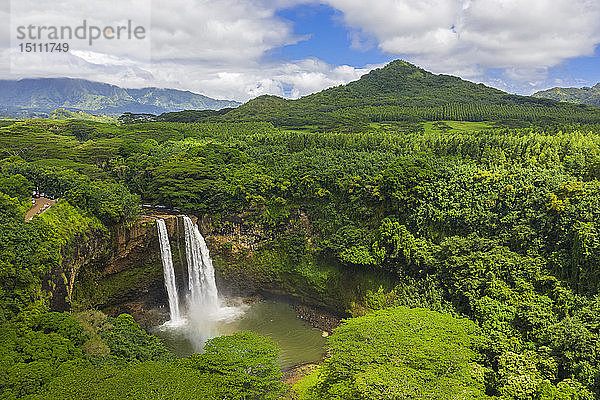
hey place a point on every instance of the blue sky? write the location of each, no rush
(329, 39)
(240, 49)
(586, 69)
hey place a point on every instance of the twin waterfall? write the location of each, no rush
(167, 261)
(201, 295)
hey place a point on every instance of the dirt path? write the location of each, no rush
(38, 207)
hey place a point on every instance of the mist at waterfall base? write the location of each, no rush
(205, 315)
(203, 308)
(298, 342)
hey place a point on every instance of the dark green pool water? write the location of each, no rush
(298, 341)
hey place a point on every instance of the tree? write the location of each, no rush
(402, 353)
(246, 364)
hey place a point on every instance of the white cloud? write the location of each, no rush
(81, 18)
(223, 31)
(218, 47)
(402, 27)
(240, 82)
(215, 48)
(290, 79)
(467, 37)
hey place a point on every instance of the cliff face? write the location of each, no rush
(125, 267)
(138, 244)
(236, 245)
(124, 273)
(280, 261)
(84, 249)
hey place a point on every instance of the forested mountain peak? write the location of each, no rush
(402, 91)
(405, 83)
(394, 77)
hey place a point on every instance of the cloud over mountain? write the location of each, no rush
(222, 48)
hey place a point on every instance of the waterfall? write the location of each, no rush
(203, 296)
(167, 261)
(204, 314)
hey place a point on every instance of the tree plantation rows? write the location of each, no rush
(477, 112)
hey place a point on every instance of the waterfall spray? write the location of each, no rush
(204, 314)
(167, 261)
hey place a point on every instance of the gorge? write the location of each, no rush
(125, 272)
(205, 316)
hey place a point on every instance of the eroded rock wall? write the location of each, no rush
(126, 266)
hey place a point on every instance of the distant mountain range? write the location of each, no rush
(584, 95)
(42, 96)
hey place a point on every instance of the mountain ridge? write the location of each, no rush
(584, 95)
(44, 95)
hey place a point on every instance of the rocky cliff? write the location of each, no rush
(281, 261)
(123, 272)
(128, 267)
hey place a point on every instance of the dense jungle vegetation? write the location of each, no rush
(487, 227)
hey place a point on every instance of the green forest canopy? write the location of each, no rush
(484, 216)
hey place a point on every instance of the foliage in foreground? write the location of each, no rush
(401, 353)
(91, 356)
